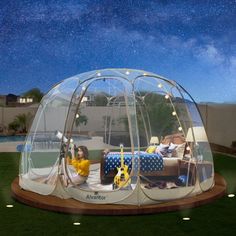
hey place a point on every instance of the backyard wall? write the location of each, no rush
(219, 120)
(7, 114)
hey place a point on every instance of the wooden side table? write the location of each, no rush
(183, 170)
(204, 170)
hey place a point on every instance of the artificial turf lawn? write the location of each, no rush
(217, 218)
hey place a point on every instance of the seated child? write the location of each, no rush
(81, 165)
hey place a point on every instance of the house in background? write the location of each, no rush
(12, 100)
(2, 100)
(24, 100)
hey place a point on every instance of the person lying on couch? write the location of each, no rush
(161, 149)
(153, 149)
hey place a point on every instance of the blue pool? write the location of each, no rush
(21, 138)
(18, 138)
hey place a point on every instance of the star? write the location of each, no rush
(43, 44)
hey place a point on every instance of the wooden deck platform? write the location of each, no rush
(72, 206)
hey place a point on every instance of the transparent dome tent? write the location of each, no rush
(131, 121)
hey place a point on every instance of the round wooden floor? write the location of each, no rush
(75, 207)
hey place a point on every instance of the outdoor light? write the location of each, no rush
(9, 205)
(77, 116)
(160, 85)
(98, 74)
(180, 128)
(188, 148)
(231, 195)
(186, 218)
(174, 113)
(144, 74)
(76, 223)
(127, 72)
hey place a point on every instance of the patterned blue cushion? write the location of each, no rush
(149, 162)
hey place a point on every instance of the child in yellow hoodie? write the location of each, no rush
(81, 165)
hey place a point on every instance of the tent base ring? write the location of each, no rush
(72, 206)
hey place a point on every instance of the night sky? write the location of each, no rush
(192, 42)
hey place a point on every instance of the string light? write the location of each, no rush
(127, 72)
(180, 128)
(77, 116)
(231, 195)
(188, 148)
(144, 74)
(9, 206)
(167, 96)
(98, 74)
(186, 218)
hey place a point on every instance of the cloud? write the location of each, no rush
(232, 65)
(210, 54)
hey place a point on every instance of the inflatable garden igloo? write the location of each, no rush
(145, 139)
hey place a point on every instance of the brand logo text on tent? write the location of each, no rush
(97, 197)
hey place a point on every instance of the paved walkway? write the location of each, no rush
(9, 146)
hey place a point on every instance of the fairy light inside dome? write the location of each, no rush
(99, 74)
(77, 116)
(180, 128)
(160, 85)
(186, 218)
(174, 113)
(167, 96)
(127, 72)
(231, 195)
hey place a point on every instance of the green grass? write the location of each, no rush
(217, 218)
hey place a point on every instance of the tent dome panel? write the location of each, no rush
(118, 136)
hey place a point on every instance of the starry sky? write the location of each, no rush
(191, 42)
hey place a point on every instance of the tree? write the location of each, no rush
(21, 122)
(156, 110)
(14, 125)
(34, 93)
(81, 119)
(100, 100)
(160, 114)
